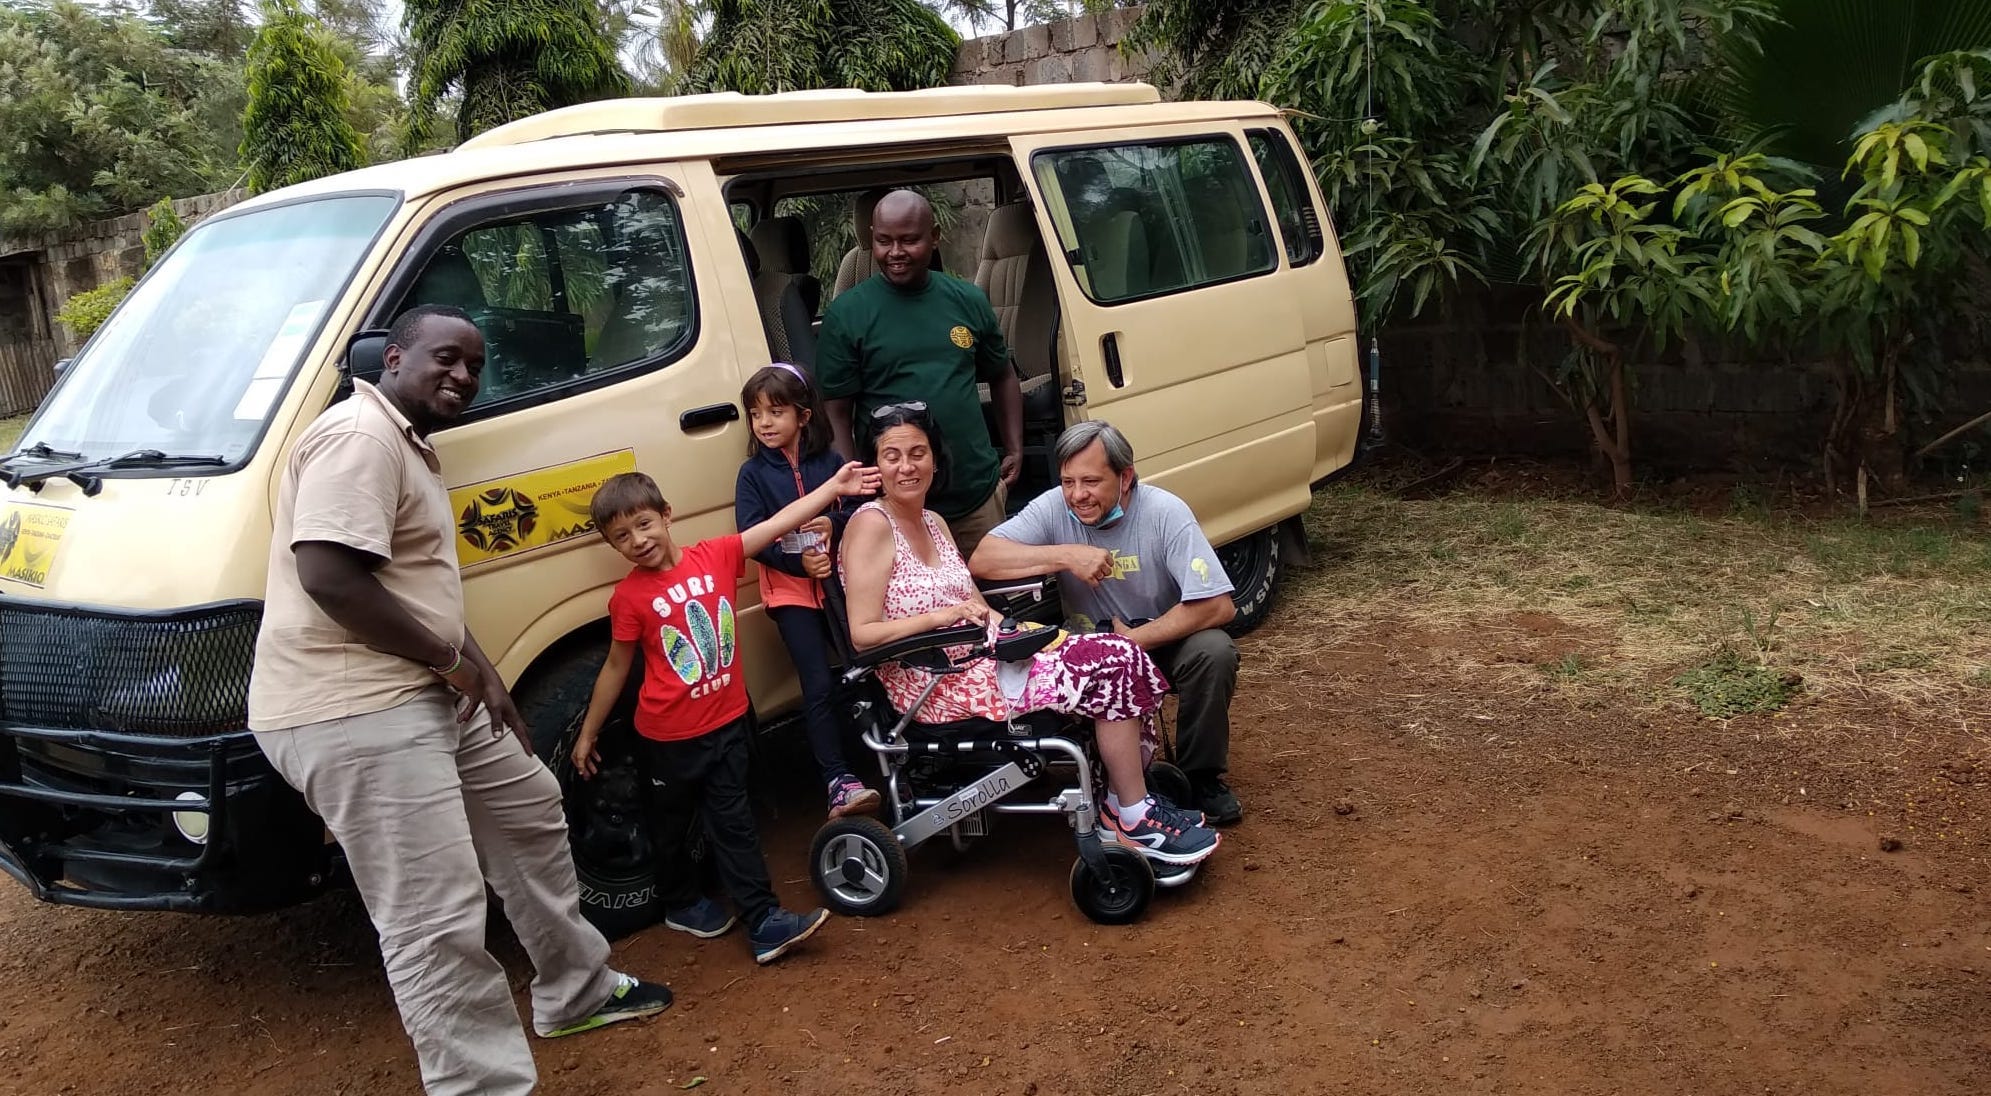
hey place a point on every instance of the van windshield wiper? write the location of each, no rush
(40, 450)
(139, 458)
(84, 473)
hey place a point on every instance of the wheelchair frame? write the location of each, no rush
(858, 863)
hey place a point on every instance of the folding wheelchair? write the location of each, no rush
(951, 777)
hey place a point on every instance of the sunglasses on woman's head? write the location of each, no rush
(910, 407)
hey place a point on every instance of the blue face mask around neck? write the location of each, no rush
(1116, 514)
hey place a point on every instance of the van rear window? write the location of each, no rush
(1144, 220)
(1286, 181)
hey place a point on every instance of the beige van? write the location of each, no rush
(1167, 266)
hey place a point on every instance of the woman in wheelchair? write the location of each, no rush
(903, 576)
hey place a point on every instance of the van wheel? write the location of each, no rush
(614, 851)
(1253, 565)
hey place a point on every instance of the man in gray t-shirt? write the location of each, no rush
(1131, 557)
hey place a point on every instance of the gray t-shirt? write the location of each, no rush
(1160, 556)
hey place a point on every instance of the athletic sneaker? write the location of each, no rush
(1195, 815)
(704, 919)
(1166, 834)
(781, 930)
(848, 795)
(633, 999)
(1213, 794)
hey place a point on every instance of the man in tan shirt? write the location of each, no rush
(371, 698)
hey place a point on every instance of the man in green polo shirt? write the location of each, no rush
(911, 334)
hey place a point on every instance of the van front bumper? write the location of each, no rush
(88, 818)
(127, 777)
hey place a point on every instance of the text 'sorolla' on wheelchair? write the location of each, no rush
(950, 777)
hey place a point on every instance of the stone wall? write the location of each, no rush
(1081, 50)
(1467, 380)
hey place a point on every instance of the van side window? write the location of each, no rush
(1286, 182)
(565, 295)
(1150, 219)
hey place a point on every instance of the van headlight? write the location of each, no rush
(193, 825)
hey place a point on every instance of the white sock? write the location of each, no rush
(1129, 816)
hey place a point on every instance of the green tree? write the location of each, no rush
(163, 228)
(763, 46)
(218, 28)
(296, 126)
(100, 115)
(504, 61)
(659, 41)
(1817, 72)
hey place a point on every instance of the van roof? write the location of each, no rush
(724, 124)
(730, 109)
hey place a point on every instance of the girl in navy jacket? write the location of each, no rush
(792, 457)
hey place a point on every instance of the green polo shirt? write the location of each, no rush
(882, 345)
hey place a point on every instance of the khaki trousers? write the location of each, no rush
(970, 528)
(427, 810)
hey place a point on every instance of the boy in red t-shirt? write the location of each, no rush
(692, 715)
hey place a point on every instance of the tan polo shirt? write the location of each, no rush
(360, 477)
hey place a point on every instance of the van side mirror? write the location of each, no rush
(62, 365)
(366, 356)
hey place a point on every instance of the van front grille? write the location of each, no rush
(183, 673)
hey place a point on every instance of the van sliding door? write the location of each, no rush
(1173, 316)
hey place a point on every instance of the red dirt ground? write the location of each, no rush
(1444, 883)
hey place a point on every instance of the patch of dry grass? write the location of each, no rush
(1878, 614)
(10, 431)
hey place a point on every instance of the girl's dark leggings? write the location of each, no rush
(806, 633)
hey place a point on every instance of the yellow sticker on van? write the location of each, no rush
(514, 515)
(30, 535)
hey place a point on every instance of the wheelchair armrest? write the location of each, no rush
(1032, 588)
(925, 641)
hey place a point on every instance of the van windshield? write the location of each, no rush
(194, 360)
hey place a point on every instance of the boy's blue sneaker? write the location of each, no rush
(781, 930)
(705, 919)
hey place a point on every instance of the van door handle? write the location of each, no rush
(700, 417)
(1109, 345)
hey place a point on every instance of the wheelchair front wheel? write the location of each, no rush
(1118, 895)
(858, 866)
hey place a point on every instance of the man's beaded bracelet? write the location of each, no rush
(456, 663)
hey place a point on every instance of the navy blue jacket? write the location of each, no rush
(767, 484)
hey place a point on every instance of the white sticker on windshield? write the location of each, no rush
(258, 398)
(289, 342)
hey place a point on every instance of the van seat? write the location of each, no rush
(1015, 272)
(783, 246)
(784, 315)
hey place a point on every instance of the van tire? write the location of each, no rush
(618, 898)
(1253, 564)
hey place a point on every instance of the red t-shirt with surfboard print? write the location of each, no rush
(684, 617)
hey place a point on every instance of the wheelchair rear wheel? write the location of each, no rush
(1120, 894)
(858, 866)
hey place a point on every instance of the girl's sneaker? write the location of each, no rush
(1165, 833)
(848, 795)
